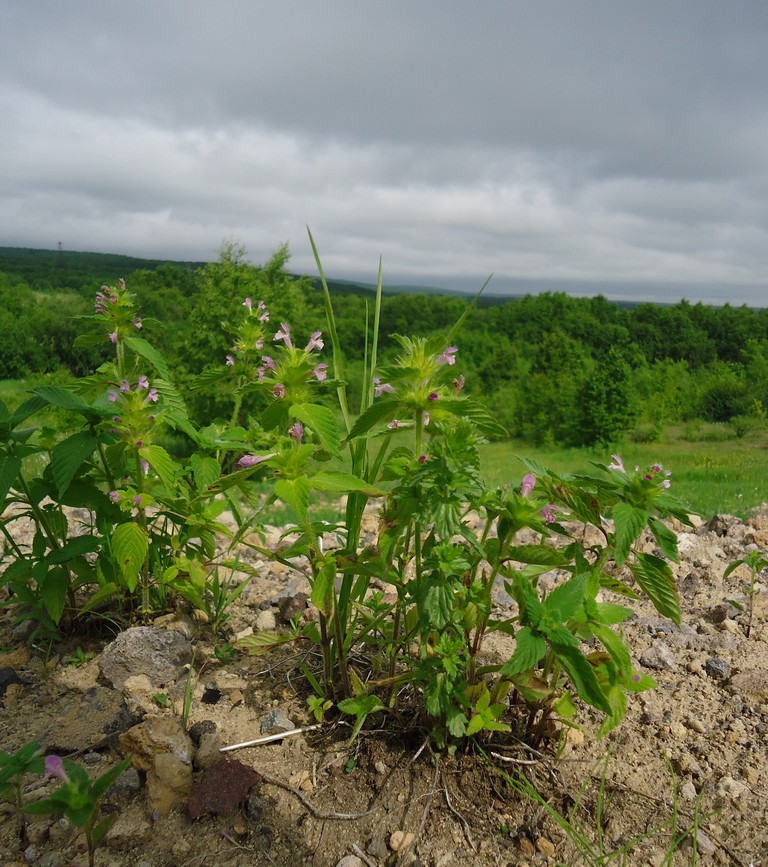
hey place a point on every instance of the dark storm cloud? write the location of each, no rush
(613, 143)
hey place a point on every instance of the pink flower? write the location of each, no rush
(253, 460)
(618, 465)
(320, 372)
(230, 361)
(425, 419)
(112, 395)
(394, 424)
(142, 383)
(137, 323)
(380, 387)
(549, 514)
(264, 316)
(137, 500)
(113, 337)
(144, 466)
(458, 383)
(269, 363)
(152, 395)
(284, 334)
(258, 344)
(279, 390)
(296, 432)
(449, 356)
(125, 385)
(114, 497)
(315, 342)
(434, 396)
(54, 767)
(528, 484)
(248, 304)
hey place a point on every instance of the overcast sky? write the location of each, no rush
(608, 146)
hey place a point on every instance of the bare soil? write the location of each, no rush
(691, 757)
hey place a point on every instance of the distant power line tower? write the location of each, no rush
(60, 257)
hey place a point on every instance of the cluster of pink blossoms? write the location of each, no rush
(116, 306)
(652, 474)
(135, 412)
(549, 512)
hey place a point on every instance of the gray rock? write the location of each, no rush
(753, 684)
(159, 654)
(276, 721)
(658, 657)
(350, 861)
(159, 734)
(208, 751)
(717, 668)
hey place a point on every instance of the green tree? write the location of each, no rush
(606, 401)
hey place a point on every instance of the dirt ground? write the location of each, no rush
(690, 761)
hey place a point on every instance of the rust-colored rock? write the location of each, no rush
(221, 788)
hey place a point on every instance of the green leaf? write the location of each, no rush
(68, 456)
(262, 643)
(145, 350)
(343, 483)
(323, 589)
(629, 523)
(578, 669)
(65, 399)
(383, 408)
(129, 550)
(53, 592)
(25, 410)
(477, 413)
(658, 583)
(529, 649)
(540, 555)
(205, 470)
(322, 421)
(162, 463)
(295, 494)
(665, 538)
(74, 547)
(564, 601)
(9, 471)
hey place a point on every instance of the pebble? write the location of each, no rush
(350, 861)
(732, 788)
(377, 848)
(658, 657)
(717, 668)
(400, 840)
(688, 791)
(276, 721)
(266, 621)
(546, 847)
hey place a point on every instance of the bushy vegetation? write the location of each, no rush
(557, 370)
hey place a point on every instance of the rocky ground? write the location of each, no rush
(693, 752)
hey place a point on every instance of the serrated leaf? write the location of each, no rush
(145, 350)
(477, 413)
(323, 590)
(162, 463)
(539, 555)
(529, 649)
(25, 410)
(564, 601)
(206, 471)
(322, 421)
(665, 538)
(129, 550)
(343, 483)
(63, 398)
(629, 522)
(295, 494)
(68, 456)
(74, 547)
(578, 669)
(658, 583)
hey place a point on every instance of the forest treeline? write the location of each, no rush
(555, 369)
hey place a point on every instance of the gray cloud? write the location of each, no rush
(557, 144)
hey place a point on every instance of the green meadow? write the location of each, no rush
(716, 474)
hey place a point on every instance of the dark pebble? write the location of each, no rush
(206, 726)
(717, 668)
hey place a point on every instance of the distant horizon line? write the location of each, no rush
(618, 291)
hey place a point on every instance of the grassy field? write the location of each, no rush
(709, 476)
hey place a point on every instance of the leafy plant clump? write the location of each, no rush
(402, 616)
